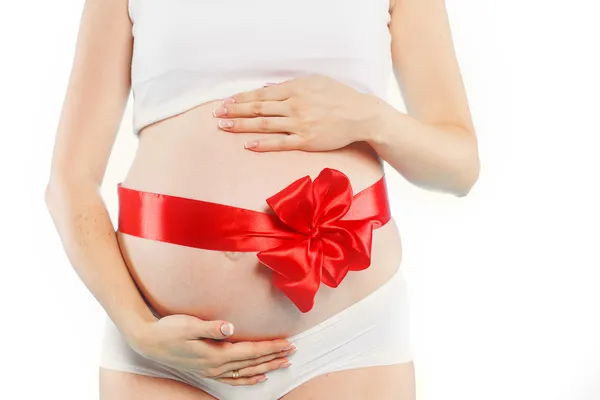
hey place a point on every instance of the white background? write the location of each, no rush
(504, 284)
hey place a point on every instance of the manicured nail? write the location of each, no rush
(292, 351)
(227, 329)
(262, 378)
(251, 145)
(286, 365)
(220, 111)
(228, 100)
(225, 123)
(289, 347)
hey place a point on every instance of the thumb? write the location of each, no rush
(213, 329)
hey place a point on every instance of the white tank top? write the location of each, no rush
(188, 52)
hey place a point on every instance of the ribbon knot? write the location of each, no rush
(319, 246)
(314, 233)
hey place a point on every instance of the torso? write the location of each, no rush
(189, 156)
(188, 53)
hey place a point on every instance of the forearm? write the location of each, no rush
(90, 242)
(441, 158)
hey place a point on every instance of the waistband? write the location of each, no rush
(385, 299)
(315, 231)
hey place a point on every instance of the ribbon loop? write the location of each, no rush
(328, 246)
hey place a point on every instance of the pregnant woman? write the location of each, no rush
(255, 255)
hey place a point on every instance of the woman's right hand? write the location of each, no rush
(188, 343)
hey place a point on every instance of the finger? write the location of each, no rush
(230, 352)
(280, 143)
(200, 329)
(243, 381)
(257, 125)
(270, 93)
(253, 109)
(264, 363)
(259, 369)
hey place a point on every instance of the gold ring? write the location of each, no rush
(236, 373)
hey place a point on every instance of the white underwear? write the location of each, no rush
(371, 332)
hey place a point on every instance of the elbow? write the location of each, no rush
(470, 168)
(52, 194)
(55, 188)
(49, 194)
(470, 176)
(61, 187)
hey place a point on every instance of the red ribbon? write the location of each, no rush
(317, 231)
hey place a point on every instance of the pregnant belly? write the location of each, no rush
(188, 156)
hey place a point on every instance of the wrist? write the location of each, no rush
(133, 326)
(378, 115)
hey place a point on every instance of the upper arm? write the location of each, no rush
(97, 92)
(425, 63)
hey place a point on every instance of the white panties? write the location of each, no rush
(371, 332)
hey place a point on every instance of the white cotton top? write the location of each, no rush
(189, 52)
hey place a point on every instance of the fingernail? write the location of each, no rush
(286, 365)
(227, 329)
(228, 100)
(250, 145)
(220, 111)
(269, 84)
(225, 123)
(292, 351)
(289, 347)
(262, 378)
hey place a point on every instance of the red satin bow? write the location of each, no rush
(319, 231)
(326, 247)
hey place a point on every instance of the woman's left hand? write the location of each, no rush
(312, 113)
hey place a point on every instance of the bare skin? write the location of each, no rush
(96, 96)
(184, 155)
(176, 154)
